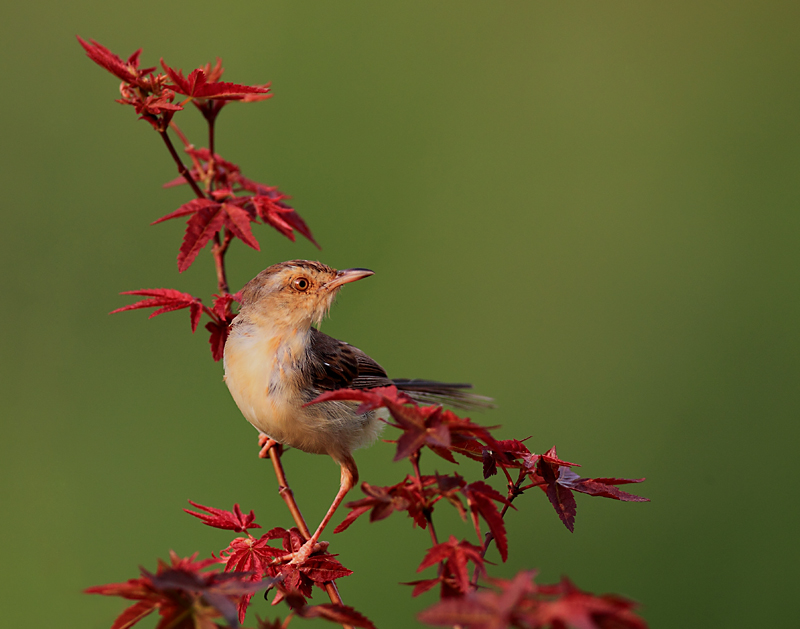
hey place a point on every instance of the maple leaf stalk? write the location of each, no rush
(426, 511)
(218, 251)
(182, 170)
(514, 490)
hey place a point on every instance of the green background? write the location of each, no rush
(588, 209)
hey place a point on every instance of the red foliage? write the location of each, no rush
(229, 520)
(204, 83)
(558, 482)
(257, 557)
(166, 300)
(522, 603)
(453, 557)
(185, 592)
(439, 429)
(335, 613)
(208, 218)
(184, 595)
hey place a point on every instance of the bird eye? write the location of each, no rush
(301, 283)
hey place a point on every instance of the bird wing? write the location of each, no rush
(335, 364)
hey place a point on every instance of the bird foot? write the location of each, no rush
(266, 443)
(306, 550)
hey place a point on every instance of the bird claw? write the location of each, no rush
(266, 443)
(306, 550)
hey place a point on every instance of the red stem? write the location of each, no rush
(514, 490)
(218, 251)
(181, 167)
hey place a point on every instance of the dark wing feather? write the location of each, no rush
(335, 365)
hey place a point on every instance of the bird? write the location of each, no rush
(276, 361)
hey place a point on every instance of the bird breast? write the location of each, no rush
(264, 373)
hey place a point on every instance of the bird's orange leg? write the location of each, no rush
(349, 480)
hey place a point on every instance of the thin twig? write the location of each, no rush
(218, 252)
(181, 167)
(513, 491)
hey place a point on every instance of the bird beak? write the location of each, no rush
(346, 276)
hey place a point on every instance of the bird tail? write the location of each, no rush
(432, 392)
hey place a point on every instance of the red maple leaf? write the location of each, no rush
(184, 595)
(340, 614)
(203, 83)
(440, 430)
(233, 520)
(558, 482)
(408, 495)
(564, 605)
(522, 603)
(257, 557)
(204, 224)
(127, 71)
(219, 329)
(166, 300)
(157, 109)
(454, 556)
(486, 609)
(505, 453)
(146, 92)
(370, 399)
(604, 487)
(481, 498)
(271, 208)
(208, 217)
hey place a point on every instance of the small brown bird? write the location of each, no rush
(276, 361)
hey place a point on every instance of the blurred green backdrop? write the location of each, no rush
(588, 209)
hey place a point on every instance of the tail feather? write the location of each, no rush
(452, 394)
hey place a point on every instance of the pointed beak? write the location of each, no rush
(346, 276)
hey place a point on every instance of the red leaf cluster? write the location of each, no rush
(204, 83)
(453, 557)
(168, 300)
(224, 204)
(152, 95)
(558, 482)
(418, 496)
(185, 596)
(340, 614)
(229, 520)
(230, 208)
(441, 430)
(522, 603)
(257, 558)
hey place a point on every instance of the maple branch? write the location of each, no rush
(288, 497)
(211, 120)
(514, 490)
(286, 492)
(184, 172)
(426, 511)
(218, 251)
(181, 135)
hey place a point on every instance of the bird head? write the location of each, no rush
(296, 293)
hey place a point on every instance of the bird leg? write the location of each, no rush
(348, 481)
